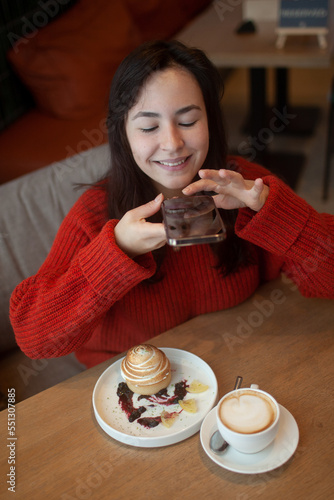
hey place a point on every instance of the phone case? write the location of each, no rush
(192, 220)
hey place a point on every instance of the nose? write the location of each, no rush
(171, 139)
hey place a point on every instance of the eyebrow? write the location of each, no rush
(151, 114)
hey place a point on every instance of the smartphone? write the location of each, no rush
(192, 220)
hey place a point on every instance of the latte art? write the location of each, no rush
(247, 412)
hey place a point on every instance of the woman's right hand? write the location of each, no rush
(134, 235)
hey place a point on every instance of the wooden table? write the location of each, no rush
(277, 338)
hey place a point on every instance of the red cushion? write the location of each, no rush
(36, 140)
(68, 65)
(161, 18)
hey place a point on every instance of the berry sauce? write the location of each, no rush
(125, 400)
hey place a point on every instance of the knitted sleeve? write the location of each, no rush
(288, 227)
(55, 312)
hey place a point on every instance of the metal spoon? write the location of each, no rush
(217, 443)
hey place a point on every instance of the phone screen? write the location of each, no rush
(192, 220)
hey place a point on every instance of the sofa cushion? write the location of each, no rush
(68, 65)
(31, 211)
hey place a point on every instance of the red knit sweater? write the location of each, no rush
(89, 297)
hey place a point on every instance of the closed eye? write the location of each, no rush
(188, 124)
(147, 130)
(152, 129)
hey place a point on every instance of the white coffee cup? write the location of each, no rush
(248, 419)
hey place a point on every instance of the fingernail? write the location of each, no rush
(158, 198)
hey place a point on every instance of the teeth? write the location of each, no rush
(169, 164)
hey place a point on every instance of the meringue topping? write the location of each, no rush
(145, 365)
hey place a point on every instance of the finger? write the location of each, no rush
(202, 185)
(214, 175)
(155, 230)
(230, 177)
(209, 180)
(218, 175)
(261, 192)
(222, 177)
(153, 235)
(258, 185)
(147, 210)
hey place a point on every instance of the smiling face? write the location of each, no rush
(167, 130)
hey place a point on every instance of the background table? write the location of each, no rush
(286, 345)
(214, 31)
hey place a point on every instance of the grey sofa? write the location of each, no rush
(32, 209)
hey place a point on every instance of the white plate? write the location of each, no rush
(112, 419)
(275, 455)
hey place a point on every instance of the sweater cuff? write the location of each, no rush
(109, 270)
(278, 224)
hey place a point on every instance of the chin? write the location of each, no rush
(180, 184)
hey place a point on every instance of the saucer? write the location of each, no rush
(275, 455)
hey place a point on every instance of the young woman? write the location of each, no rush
(110, 281)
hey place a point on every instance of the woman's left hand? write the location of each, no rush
(233, 191)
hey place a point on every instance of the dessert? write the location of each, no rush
(146, 369)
